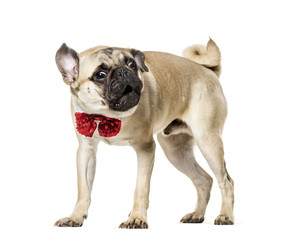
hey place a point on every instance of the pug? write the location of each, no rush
(124, 96)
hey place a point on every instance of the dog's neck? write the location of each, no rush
(80, 109)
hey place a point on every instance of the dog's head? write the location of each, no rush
(106, 80)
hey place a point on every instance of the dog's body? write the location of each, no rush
(153, 93)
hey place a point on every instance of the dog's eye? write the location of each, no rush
(131, 64)
(99, 76)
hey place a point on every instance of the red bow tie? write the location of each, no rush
(86, 125)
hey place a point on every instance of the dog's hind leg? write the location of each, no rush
(211, 146)
(206, 123)
(179, 150)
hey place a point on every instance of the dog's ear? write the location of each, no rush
(68, 63)
(140, 59)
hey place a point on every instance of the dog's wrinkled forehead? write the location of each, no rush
(91, 60)
(110, 57)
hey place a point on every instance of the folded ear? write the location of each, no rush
(68, 63)
(140, 59)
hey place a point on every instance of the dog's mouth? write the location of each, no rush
(123, 89)
(130, 98)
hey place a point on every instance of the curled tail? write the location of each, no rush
(208, 56)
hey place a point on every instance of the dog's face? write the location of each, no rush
(106, 80)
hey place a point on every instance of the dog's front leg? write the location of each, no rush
(86, 165)
(138, 216)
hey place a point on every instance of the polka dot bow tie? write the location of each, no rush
(86, 125)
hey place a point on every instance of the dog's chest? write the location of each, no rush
(118, 141)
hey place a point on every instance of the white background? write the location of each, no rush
(38, 144)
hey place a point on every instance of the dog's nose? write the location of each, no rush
(121, 73)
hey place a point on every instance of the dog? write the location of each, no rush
(130, 95)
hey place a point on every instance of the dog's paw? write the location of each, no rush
(192, 218)
(223, 220)
(68, 222)
(134, 224)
